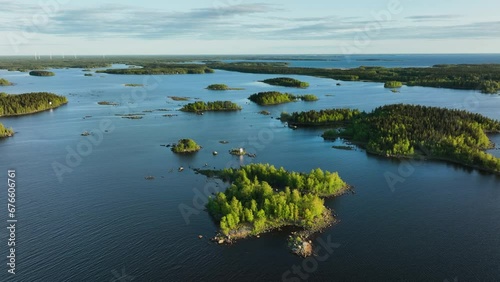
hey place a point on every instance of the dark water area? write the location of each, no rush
(103, 221)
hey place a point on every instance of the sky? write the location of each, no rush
(201, 27)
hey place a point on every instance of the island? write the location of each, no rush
(286, 82)
(162, 69)
(221, 87)
(313, 118)
(393, 84)
(41, 73)
(107, 103)
(481, 77)
(262, 198)
(200, 106)
(177, 98)
(5, 132)
(5, 82)
(275, 98)
(134, 85)
(88, 74)
(186, 146)
(29, 103)
(409, 131)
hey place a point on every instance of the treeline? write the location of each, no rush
(275, 97)
(41, 73)
(287, 82)
(483, 77)
(200, 106)
(252, 201)
(161, 69)
(408, 130)
(5, 82)
(319, 118)
(11, 105)
(5, 132)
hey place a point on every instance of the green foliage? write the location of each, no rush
(41, 73)
(5, 82)
(308, 98)
(272, 98)
(287, 82)
(319, 118)
(253, 199)
(407, 130)
(5, 132)
(484, 77)
(200, 106)
(220, 87)
(11, 105)
(393, 84)
(186, 146)
(162, 68)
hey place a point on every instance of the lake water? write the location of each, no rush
(102, 221)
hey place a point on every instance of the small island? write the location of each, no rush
(88, 74)
(134, 85)
(5, 82)
(221, 87)
(29, 103)
(409, 131)
(393, 84)
(274, 98)
(186, 146)
(262, 198)
(107, 103)
(177, 98)
(41, 73)
(286, 82)
(199, 106)
(6, 132)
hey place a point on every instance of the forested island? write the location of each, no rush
(29, 103)
(286, 82)
(41, 73)
(408, 131)
(162, 69)
(186, 146)
(393, 84)
(5, 132)
(484, 77)
(327, 117)
(262, 197)
(5, 82)
(221, 87)
(274, 98)
(200, 106)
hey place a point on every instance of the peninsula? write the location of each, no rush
(29, 103)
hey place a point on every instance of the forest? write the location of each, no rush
(200, 106)
(275, 97)
(393, 84)
(185, 146)
(484, 77)
(264, 197)
(161, 69)
(319, 118)
(287, 82)
(5, 82)
(41, 73)
(408, 131)
(5, 132)
(12, 105)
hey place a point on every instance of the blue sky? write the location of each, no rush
(107, 27)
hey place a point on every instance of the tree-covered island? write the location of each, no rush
(5, 132)
(221, 87)
(408, 131)
(262, 198)
(185, 146)
(162, 69)
(29, 103)
(41, 73)
(5, 82)
(274, 98)
(200, 106)
(286, 82)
